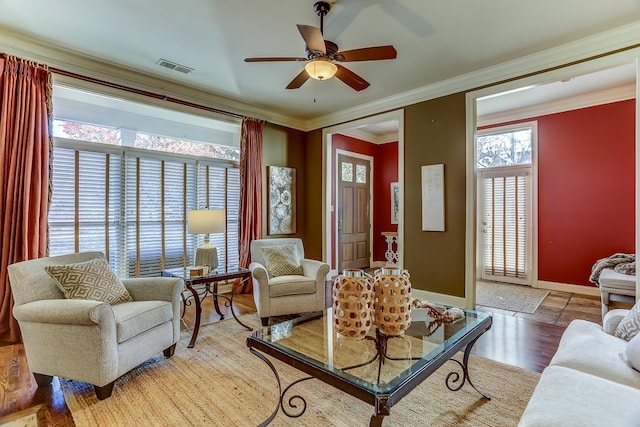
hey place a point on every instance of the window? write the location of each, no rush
(505, 147)
(347, 172)
(361, 174)
(126, 193)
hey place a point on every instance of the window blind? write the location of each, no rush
(504, 224)
(132, 206)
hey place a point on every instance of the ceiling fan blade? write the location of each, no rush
(375, 53)
(274, 58)
(313, 38)
(351, 79)
(299, 80)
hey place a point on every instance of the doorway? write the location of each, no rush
(506, 172)
(353, 213)
(379, 133)
(550, 218)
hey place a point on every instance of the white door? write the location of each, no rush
(505, 224)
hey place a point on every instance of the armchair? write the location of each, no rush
(88, 340)
(290, 293)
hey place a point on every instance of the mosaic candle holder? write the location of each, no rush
(392, 300)
(352, 303)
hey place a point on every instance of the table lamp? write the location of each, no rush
(205, 221)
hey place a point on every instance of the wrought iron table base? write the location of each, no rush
(196, 296)
(454, 382)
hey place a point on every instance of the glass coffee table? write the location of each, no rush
(379, 369)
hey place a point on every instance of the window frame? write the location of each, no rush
(509, 128)
(532, 202)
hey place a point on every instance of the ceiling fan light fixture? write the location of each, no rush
(321, 70)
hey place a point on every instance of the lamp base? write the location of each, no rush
(206, 255)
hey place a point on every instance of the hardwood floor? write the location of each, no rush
(519, 339)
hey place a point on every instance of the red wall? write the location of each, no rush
(385, 171)
(586, 189)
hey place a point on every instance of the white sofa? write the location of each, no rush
(588, 382)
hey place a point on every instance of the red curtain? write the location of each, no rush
(25, 149)
(250, 189)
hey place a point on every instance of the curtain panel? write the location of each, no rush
(250, 189)
(25, 150)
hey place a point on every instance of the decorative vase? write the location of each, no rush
(352, 303)
(392, 300)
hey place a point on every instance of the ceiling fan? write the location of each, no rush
(323, 57)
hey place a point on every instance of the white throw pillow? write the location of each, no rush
(633, 352)
(629, 327)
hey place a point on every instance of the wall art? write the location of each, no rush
(282, 200)
(433, 198)
(395, 203)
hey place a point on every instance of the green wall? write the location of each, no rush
(434, 132)
(285, 147)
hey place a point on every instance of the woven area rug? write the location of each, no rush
(523, 299)
(220, 383)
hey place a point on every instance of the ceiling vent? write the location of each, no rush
(173, 66)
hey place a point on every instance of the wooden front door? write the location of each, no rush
(353, 216)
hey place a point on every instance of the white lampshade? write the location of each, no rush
(320, 69)
(204, 221)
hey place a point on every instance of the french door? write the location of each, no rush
(505, 224)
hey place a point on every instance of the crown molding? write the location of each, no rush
(627, 36)
(624, 37)
(622, 93)
(72, 61)
(368, 137)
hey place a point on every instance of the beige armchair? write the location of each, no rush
(88, 340)
(277, 295)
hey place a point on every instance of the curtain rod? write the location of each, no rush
(144, 92)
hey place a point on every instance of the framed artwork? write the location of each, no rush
(395, 203)
(433, 198)
(282, 200)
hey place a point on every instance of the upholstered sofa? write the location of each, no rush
(589, 382)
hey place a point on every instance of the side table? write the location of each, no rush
(213, 277)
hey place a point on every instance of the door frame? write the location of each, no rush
(371, 195)
(328, 250)
(558, 74)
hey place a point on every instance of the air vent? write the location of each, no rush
(174, 66)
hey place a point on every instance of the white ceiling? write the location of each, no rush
(436, 40)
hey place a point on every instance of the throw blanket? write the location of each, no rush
(622, 263)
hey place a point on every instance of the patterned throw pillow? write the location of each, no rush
(629, 327)
(282, 260)
(91, 280)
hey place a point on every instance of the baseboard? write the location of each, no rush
(565, 287)
(225, 288)
(438, 298)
